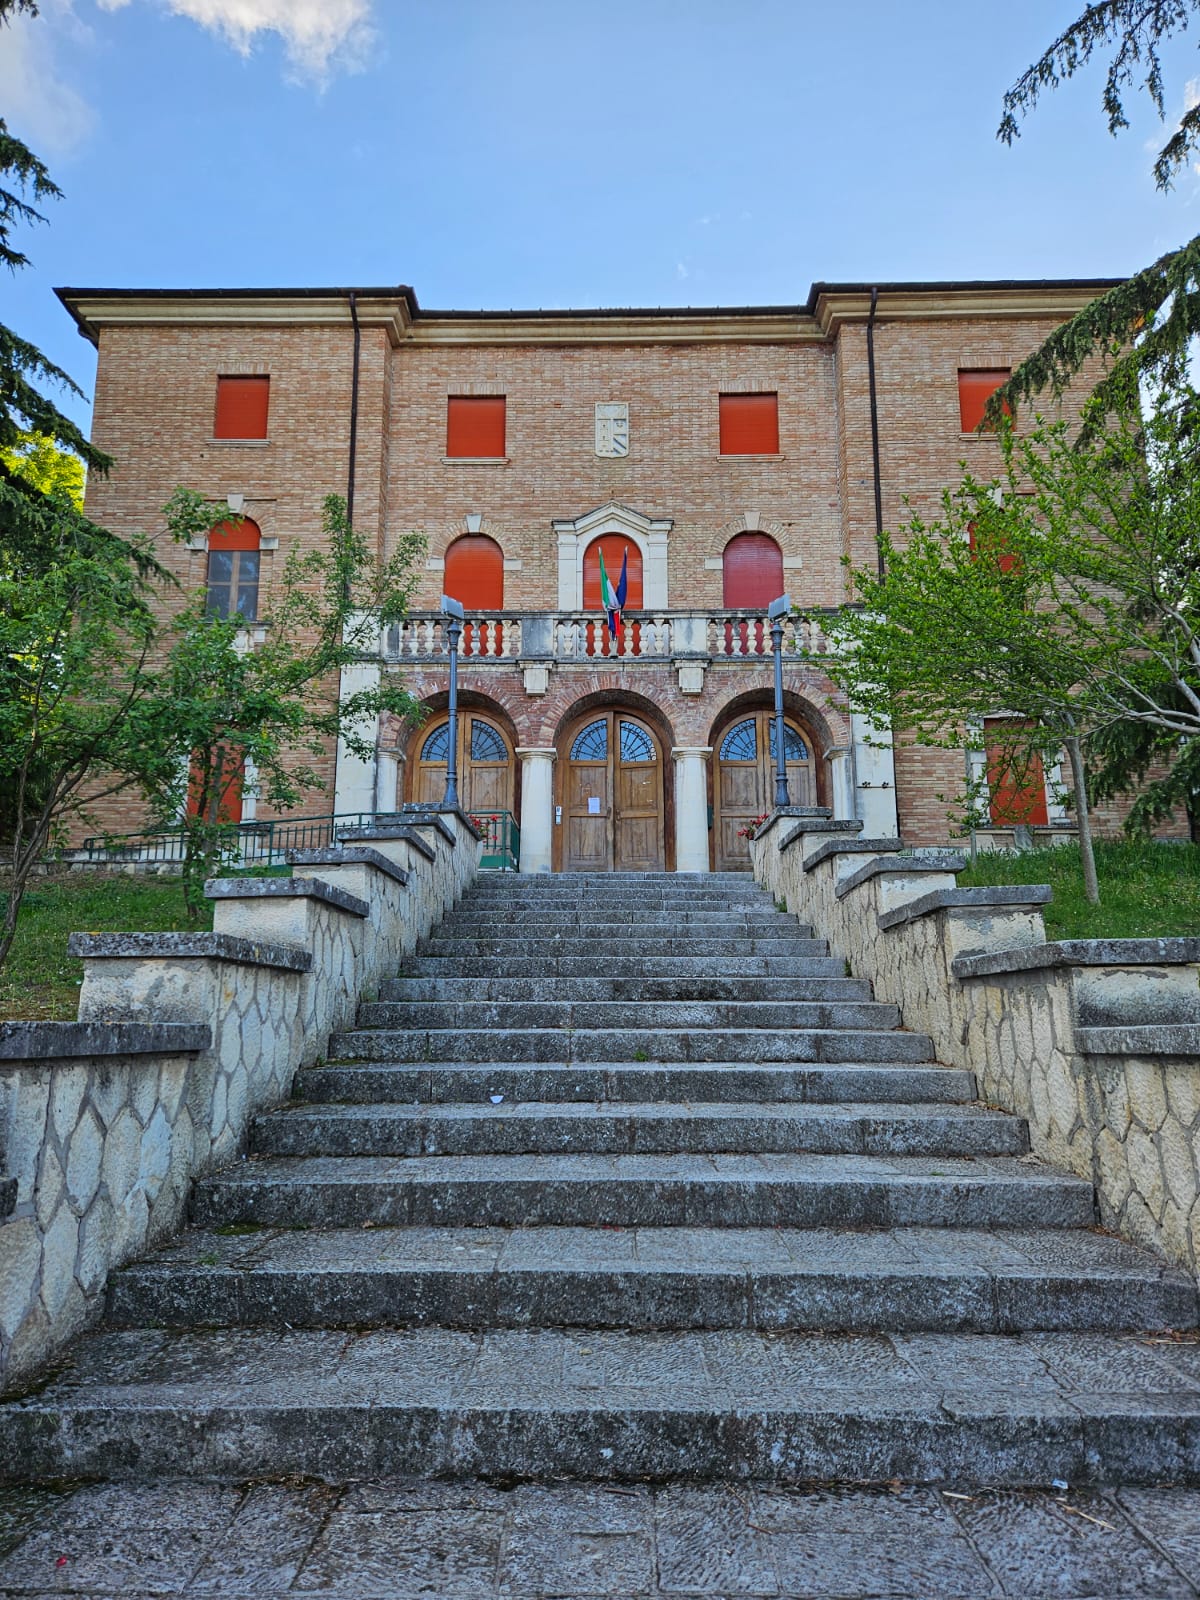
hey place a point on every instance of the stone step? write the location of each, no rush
(588, 1128)
(629, 1044)
(508, 987)
(974, 1409)
(717, 1191)
(613, 919)
(369, 1082)
(506, 1015)
(550, 963)
(836, 1280)
(517, 947)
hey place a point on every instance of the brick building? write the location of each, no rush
(719, 457)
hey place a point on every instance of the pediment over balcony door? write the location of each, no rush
(650, 534)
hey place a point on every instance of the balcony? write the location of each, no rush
(509, 638)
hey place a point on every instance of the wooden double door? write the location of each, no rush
(485, 764)
(612, 793)
(744, 782)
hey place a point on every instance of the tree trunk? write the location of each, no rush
(1087, 855)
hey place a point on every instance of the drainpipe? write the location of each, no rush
(874, 427)
(878, 483)
(354, 409)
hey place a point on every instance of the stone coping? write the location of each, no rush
(897, 869)
(1080, 953)
(65, 1041)
(850, 847)
(1019, 895)
(807, 825)
(286, 889)
(785, 813)
(1149, 1039)
(355, 855)
(432, 819)
(389, 831)
(188, 947)
(464, 817)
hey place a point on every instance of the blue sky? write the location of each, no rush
(554, 153)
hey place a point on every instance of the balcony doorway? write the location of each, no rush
(612, 795)
(744, 781)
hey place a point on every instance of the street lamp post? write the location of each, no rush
(776, 611)
(453, 612)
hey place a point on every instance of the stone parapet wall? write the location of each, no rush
(182, 1039)
(1095, 1042)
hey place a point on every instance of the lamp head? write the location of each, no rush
(452, 608)
(780, 607)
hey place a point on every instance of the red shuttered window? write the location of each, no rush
(233, 569)
(976, 386)
(475, 573)
(1018, 793)
(752, 568)
(242, 408)
(749, 424)
(475, 425)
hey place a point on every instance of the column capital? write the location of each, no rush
(546, 751)
(691, 752)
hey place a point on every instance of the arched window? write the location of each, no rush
(475, 573)
(617, 548)
(233, 570)
(752, 572)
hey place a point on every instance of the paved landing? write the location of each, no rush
(400, 1539)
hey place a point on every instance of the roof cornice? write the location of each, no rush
(829, 307)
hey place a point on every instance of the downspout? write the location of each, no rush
(877, 478)
(354, 410)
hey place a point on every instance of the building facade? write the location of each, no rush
(713, 459)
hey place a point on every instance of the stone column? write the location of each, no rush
(842, 798)
(537, 807)
(691, 808)
(387, 778)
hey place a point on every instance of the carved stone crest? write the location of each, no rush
(612, 428)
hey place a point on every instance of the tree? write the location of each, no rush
(1147, 323)
(216, 709)
(1065, 596)
(46, 467)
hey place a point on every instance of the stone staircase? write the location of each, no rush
(625, 1178)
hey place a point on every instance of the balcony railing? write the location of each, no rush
(509, 636)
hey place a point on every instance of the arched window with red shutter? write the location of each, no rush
(233, 569)
(751, 572)
(475, 578)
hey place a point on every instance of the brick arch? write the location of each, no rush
(807, 699)
(746, 522)
(576, 693)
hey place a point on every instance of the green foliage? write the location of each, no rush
(1144, 325)
(39, 978)
(1151, 890)
(46, 467)
(216, 707)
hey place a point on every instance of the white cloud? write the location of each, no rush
(681, 270)
(318, 35)
(39, 106)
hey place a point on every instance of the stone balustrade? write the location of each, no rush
(1095, 1041)
(182, 1039)
(507, 637)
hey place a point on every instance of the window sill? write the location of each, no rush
(475, 461)
(764, 455)
(243, 444)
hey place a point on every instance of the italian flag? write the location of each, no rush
(613, 600)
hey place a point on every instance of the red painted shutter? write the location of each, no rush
(475, 425)
(242, 408)
(231, 776)
(1017, 798)
(749, 425)
(243, 535)
(752, 569)
(475, 573)
(614, 546)
(976, 386)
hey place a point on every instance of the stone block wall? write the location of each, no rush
(1095, 1042)
(181, 1039)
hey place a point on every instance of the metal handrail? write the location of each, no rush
(257, 843)
(501, 840)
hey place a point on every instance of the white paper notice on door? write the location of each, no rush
(593, 805)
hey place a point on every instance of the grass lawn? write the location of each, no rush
(1146, 890)
(40, 979)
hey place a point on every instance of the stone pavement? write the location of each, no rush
(396, 1539)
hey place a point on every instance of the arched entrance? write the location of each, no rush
(485, 763)
(744, 780)
(612, 795)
